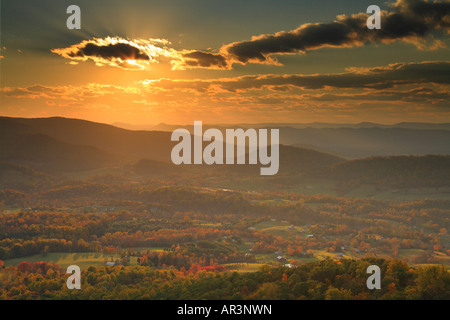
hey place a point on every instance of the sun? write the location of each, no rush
(134, 64)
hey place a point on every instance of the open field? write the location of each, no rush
(243, 268)
(83, 260)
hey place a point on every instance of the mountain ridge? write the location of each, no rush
(64, 145)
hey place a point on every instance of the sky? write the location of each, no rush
(226, 61)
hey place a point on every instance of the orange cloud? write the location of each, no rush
(355, 78)
(385, 92)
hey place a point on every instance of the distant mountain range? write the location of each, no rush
(317, 125)
(354, 141)
(60, 144)
(33, 148)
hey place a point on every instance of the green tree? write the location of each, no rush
(268, 291)
(433, 282)
(338, 294)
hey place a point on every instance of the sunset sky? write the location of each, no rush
(226, 61)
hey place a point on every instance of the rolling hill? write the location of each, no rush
(129, 145)
(400, 171)
(46, 153)
(17, 176)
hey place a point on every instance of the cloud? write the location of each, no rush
(418, 91)
(201, 59)
(417, 95)
(415, 82)
(418, 86)
(118, 52)
(355, 78)
(138, 54)
(91, 90)
(413, 21)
